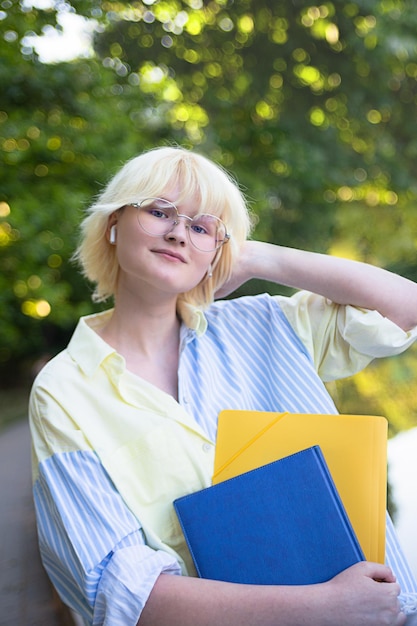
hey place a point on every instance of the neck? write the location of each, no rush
(148, 338)
(142, 327)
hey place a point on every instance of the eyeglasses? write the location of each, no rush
(158, 217)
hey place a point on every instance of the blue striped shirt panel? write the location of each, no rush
(91, 544)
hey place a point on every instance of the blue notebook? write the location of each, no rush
(282, 523)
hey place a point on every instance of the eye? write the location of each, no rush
(199, 228)
(205, 225)
(158, 213)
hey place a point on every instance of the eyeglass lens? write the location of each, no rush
(158, 217)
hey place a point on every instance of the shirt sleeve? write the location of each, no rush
(342, 340)
(91, 544)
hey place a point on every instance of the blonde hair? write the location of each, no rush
(149, 175)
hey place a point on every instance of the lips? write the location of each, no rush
(170, 253)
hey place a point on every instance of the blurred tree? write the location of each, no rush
(63, 132)
(310, 106)
(305, 103)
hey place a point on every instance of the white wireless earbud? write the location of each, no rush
(112, 236)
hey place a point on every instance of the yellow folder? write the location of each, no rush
(354, 446)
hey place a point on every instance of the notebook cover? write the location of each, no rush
(282, 523)
(354, 446)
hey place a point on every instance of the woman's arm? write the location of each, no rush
(341, 280)
(353, 597)
(91, 544)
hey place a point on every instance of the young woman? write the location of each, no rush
(124, 420)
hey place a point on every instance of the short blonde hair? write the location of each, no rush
(150, 175)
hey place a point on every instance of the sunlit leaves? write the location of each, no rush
(194, 24)
(278, 32)
(311, 105)
(191, 117)
(245, 24)
(4, 209)
(386, 388)
(318, 19)
(38, 309)
(309, 75)
(318, 117)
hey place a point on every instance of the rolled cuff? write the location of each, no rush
(372, 334)
(342, 339)
(127, 582)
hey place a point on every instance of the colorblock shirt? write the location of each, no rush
(111, 451)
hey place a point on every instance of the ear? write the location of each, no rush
(111, 230)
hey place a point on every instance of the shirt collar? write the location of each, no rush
(193, 318)
(86, 347)
(90, 359)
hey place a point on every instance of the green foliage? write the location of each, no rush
(312, 107)
(298, 100)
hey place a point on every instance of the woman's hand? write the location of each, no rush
(366, 594)
(245, 267)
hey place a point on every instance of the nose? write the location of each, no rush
(178, 231)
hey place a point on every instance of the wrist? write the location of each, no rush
(264, 261)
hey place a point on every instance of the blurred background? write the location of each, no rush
(312, 107)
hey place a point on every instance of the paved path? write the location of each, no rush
(26, 596)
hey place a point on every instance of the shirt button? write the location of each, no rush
(206, 447)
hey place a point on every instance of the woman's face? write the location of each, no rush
(168, 264)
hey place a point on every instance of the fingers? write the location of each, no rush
(378, 571)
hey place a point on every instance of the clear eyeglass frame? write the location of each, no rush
(158, 217)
